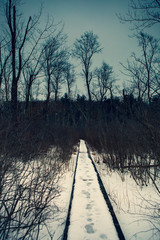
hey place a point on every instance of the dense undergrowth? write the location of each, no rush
(129, 139)
(36, 145)
(33, 154)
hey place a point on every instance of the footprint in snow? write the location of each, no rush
(89, 228)
(89, 183)
(87, 194)
(89, 206)
(89, 219)
(103, 236)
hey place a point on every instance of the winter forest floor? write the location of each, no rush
(136, 207)
(35, 197)
(90, 217)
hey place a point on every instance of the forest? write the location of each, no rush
(41, 113)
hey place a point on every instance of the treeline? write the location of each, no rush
(35, 63)
(119, 126)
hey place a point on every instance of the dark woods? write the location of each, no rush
(122, 127)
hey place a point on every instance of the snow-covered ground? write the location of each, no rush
(136, 208)
(54, 227)
(90, 217)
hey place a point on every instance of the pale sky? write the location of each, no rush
(98, 16)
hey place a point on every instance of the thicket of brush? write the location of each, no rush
(35, 146)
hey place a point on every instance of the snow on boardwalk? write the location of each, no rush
(90, 218)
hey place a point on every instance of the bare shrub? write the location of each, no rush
(128, 144)
(27, 193)
(33, 154)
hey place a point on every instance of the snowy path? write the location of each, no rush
(90, 218)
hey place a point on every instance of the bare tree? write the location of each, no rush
(144, 69)
(7, 74)
(4, 58)
(136, 72)
(53, 64)
(17, 45)
(84, 50)
(30, 74)
(23, 40)
(58, 74)
(103, 81)
(143, 14)
(69, 76)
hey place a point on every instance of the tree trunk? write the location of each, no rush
(88, 86)
(56, 95)
(48, 97)
(27, 95)
(14, 79)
